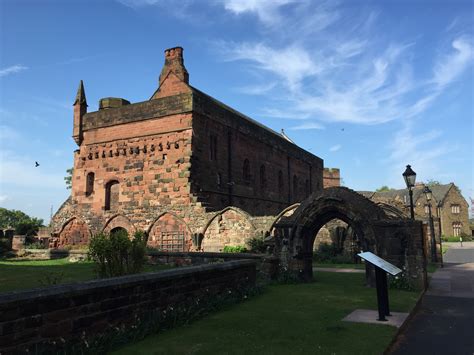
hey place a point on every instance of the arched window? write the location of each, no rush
(90, 183)
(280, 181)
(112, 191)
(457, 229)
(295, 187)
(263, 178)
(246, 171)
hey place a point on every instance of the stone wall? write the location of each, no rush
(80, 311)
(331, 177)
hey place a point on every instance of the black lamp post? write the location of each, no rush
(410, 177)
(434, 256)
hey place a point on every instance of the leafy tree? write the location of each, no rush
(383, 188)
(432, 183)
(20, 221)
(68, 178)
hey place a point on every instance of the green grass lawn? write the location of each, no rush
(340, 266)
(286, 319)
(18, 275)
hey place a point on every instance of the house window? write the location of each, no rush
(457, 228)
(280, 181)
(246, 171)
(90, 184)
(427, 209)
(295, 186)
(219, 180)
(112, 191)
(455, 209)
(213, 147)
(263, 178)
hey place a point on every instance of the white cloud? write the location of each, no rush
(450, 66)
(12, 70)
(257, 89)
(308, 125)
(4, 198)
(292, 63)
(138, 3)
(266, 10)
(335, 148)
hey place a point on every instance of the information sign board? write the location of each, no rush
(379, 262)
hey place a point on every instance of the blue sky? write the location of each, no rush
(369, 86)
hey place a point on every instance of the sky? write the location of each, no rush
(368, 86)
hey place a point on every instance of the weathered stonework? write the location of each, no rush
(173, 165)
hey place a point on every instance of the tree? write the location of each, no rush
(20, 221)
(68, 178)
(432, 183)
(383, 188)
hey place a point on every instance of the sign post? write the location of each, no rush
(382, 267)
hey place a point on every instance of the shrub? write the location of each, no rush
(116, 254)
(36, 245)
(329, 254)
(465, 238)
(256, 245)
(235, 249)
(400, 282)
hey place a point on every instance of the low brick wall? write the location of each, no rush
(267, 265)
(69, 312)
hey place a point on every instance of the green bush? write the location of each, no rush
(329, 254)
(465, 238)
(235, 249)
(116, 254)
(36, 245)
(256, 245)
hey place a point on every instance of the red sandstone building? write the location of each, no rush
(178, 165)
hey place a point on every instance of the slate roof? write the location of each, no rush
(439, 193)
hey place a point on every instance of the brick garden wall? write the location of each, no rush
(30, 318)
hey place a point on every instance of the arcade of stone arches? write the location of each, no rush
(290, 236)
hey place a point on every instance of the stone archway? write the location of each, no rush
(169, 233)
(229, 227)
(119, 221)
(73, 233)
(377, 232)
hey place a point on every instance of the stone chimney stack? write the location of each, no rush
(174, 63)
(80, 109)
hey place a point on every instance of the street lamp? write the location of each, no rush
(427, 192)
(410, 176)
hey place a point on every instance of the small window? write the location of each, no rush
(112, 191)
(427, 209)
(263, 178)
(219, 180)
(455, 209)
(246, 171)
(213, 147)
(90, 183)
(457, 228)
(280, 181)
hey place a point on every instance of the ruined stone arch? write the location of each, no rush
(331, 203)
(287, 212)
(169, 232)
(73, 232)
(119, 221)
(228, 227)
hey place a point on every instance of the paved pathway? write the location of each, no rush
(458, 254)
(444, 324)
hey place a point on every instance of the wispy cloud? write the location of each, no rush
(308, 125)
(410, 146)
(266, 10)
(335, 148)
(138, 3)
(4, 198)
(12, 70)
